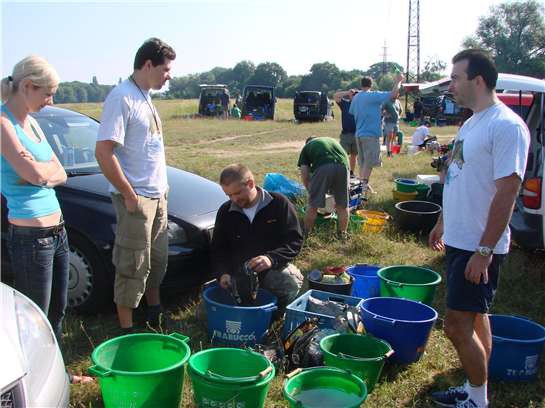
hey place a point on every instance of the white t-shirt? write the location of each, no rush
(250, 212)
(492, 144)
(420, 134)
(133, 123)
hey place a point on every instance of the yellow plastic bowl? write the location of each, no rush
(401, 196)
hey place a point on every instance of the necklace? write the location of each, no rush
(471, 125)
(148, 103)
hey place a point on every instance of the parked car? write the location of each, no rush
(311, 106)
(258, 102)
(33, 372)
(90, 218)
(211, 96)
(526, 96)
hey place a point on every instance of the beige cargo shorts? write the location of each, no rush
(140, 253)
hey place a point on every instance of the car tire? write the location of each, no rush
(90, 286)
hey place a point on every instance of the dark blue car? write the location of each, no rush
(90, 218)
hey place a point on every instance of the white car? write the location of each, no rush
(32, 373)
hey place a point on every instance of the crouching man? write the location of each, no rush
(259, 228)
(323, 164)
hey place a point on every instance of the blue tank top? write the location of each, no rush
(27, 200)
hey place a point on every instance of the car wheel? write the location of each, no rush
(90, 286)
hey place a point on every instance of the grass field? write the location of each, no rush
(205, 146)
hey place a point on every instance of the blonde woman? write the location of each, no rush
(37, 243)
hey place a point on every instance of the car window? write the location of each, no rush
(72, 138)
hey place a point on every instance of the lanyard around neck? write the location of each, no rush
(147, 102)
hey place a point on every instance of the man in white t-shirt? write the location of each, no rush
(420, 135)
(483, 178)
(131, 154)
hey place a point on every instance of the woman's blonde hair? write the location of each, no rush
(37, 69)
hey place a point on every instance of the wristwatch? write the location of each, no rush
(484, 250)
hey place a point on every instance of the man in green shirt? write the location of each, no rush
(324, 169)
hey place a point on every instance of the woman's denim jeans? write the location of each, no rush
(40, 259)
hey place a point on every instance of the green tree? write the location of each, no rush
(242, 72)
(324, 76)
(434, 69)
(514, 33)
(268, 73)
(379, 69)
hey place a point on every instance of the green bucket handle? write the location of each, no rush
(239, 380)
(179, 336)
(98, 371)
(349, 357)
(393, 283)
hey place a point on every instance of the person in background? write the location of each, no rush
(366, 108)
(348, 131)
(224, 97)
(37, 241)
(131, 154)
(323, 164)
(418, 108)
(260, 228)
(392, 112)
(421, 135)
(485, 170)
(235, 111)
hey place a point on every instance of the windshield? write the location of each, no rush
(72, 137)
(307, 97)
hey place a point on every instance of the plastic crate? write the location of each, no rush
(297, 313)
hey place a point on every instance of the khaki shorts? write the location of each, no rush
(284, 284)
(330, 178)
(348, 142)
(369, 152)
(140, 254)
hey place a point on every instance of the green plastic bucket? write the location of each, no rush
(400, 138)
(405, 185)
(324, 387)
(230, 377)
(409, 282)
(356, 223)
(362, 355)
(141, 370)
(422, 191)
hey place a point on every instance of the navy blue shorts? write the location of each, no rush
(464, 295)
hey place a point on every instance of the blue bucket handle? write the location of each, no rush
(269, 309)
(179, 336)
(99, 371)
(385, 319)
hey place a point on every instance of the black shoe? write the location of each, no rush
(450, 397)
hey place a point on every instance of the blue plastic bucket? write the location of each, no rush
(403, 323)
(517, 345)
(366, 282)
(233, 325)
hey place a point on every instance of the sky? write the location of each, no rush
(84, 39)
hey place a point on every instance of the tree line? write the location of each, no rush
(513, 33)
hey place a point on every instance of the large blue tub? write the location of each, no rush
(232, 325)
(366, 282)
(403, 323)
(517, 345)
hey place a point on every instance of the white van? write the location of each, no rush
(526, 96)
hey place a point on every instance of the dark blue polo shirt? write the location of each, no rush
(348, 122)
